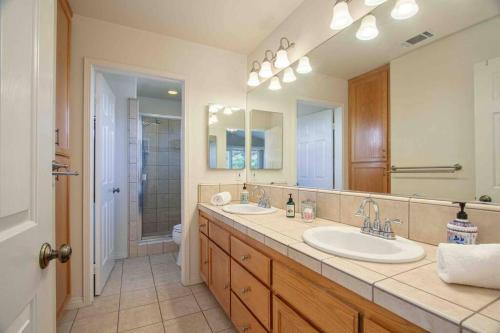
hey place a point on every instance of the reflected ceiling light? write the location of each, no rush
(212, 119)
(368, 28)
(374, 2)
(253, 78)
(404, 9)
(228, 111)
(172, 92)
(266, 70)
(275, 84)
(304, 66)
(282, 53)
(289, 75)
(341, 17)
(212, 108)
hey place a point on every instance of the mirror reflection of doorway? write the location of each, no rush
(319, 145)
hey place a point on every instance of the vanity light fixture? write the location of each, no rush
(282, 53)
(253, 78)
(368, 29)
(214, 108)
(341, 17)
(404, 9)
(266, 70)
(374, 2)
(289, 75)
(228, 111)
(275, 83)
(212, 119)
(304, 65)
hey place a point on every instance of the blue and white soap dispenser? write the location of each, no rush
(460, 230)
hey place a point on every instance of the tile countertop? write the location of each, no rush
(414, 291)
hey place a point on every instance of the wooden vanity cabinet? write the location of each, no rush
(263, 291)
(219, 275)
(204, 257)
(286, 320)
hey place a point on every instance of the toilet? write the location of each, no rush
(177, 237)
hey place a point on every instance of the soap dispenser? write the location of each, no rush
(244, 195)
(460, 230)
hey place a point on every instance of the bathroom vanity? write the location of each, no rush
(262, 290)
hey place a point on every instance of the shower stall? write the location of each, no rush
(160, 175)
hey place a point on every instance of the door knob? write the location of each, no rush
(116, 190)
(47, 253)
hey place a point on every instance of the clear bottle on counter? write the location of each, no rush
(308, 210)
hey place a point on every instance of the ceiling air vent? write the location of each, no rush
(418, 38)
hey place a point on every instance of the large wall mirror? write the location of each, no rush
(266, 148)
(226, 137)
(414, 111)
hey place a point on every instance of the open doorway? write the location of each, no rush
(319, 145)
(137, 186)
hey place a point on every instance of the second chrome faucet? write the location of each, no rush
(375, 228)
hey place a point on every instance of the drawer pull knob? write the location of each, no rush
(205, 262)
(245, 290)
(245, 328)
(226, 286)
(245, 257)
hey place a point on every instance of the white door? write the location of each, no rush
(273, 150)
(487, 122)
(104, 182)
(27, 59)
(315, 150)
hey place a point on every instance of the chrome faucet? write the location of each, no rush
(264, 200)
(375, 228)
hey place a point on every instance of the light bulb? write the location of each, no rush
(289, 75)
(253, 79)
(368, 28)
(404, 9)
(275, 84)
(212, 119)
(304, 66)
(266, 70)
(341, 17)
(374, 2)
(212, 108)
(282, 59)
(228, 111)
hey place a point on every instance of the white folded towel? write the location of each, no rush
(221, 199)
(474, 265)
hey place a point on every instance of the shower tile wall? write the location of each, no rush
(161, 192)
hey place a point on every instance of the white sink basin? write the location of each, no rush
(247, 209)
(351, 243)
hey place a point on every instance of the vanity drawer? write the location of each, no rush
(255, 295)
(219, 236)
(254, 261)
(203, 223)
(315, 303)
(243, 320)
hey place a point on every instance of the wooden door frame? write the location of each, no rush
(90, 67)
(387, 68)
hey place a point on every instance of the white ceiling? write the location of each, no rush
(345, 56)
(152, 88)
(236, 25)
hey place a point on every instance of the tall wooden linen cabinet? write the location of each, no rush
(62, 151)
(369, 137)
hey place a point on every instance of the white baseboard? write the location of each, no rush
(74, 303)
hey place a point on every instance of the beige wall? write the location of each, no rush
(211, 74)
(312, 87)
(432, 111)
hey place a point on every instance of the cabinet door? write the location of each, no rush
(204, 263)
(372, 327)
(370, 177)
(63, 47)
(219, 275)
(285, 320)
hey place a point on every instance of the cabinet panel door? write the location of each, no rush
(219, 275)
(369, 177)
(62, 77)
(372, 327)
(204, 263)
(285, 320)
(243, 320)
(368, 116)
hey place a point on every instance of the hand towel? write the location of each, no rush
(221, 199)
(474, 265)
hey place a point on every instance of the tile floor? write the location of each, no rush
(144, 295)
